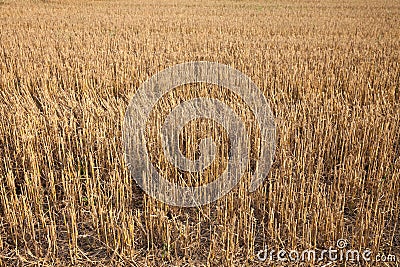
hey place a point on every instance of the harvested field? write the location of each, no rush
(330, 71)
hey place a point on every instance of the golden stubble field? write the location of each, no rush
(329, 69)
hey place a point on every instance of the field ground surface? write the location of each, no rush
(68, 69)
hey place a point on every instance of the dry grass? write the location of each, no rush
(330, 70)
